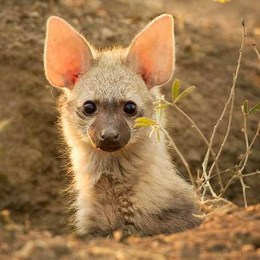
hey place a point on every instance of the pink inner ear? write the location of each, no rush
(67, 54)
(151, 53)
(71, 77)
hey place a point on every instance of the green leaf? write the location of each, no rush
(162, 106)
(175, 89)
(144, 122)
(141, 125)
(254, 109)
(245, 107)
(186, 92)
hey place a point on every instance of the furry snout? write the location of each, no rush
(109, 133)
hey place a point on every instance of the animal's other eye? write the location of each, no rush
(130, 108)
(89, 108)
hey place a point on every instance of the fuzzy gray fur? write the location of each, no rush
(136, 189)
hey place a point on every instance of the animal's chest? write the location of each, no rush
(113, 207)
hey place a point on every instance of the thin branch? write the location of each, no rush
(228, 129)
(180, 155)
(203, 138)
(243, 162)
(248, 148)
(245, 130)
(229, 101)
(252, 173)
(240, 168)
(228, 184)
(256, 50)
(243, 188)
(214, 175)
(193, 124)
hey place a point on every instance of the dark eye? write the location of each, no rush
(130, 108)
(89, 108)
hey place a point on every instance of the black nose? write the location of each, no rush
(109, 140)
(109, 132)
(110, 136)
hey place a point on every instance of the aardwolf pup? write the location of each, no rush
(123, 179)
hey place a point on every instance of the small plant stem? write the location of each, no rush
(180, 155)
(206, 178)
(251, 174)
(229, 101)
(256, 50)
(240, 168)
(193, 123)
(228, 184)
(212, 176)
(243, 162)
(248, 148)
(243, 188)
(227, 131)
(245, 158)
(203, 194)
(203, 138)
(245, 130)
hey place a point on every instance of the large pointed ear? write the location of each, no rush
(67, 54)
(152, 52)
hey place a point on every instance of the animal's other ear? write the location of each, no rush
(152, 52)
(67, 54)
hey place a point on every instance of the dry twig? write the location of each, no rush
(230, 102)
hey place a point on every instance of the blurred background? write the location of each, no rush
(33, 173)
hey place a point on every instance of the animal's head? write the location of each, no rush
(106, 91)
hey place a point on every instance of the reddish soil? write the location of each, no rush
(229, 233)
(33, 205)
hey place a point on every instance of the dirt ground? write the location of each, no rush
(223, 235)
(33, 176)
